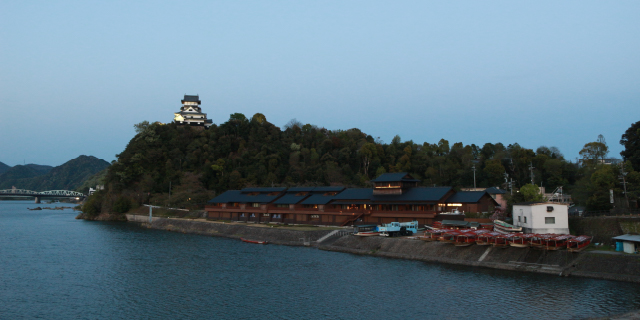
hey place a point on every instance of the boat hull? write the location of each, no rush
(254, 241)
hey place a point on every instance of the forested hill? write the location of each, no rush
(67, 176)
(246, 152)
(4, 168)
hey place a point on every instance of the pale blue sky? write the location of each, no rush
(76, 75)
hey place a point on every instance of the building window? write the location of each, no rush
(394, 207)
(242, 215)
(266, 214)
(519, 219)
(315, 216)
(525, 219)
(255, 205)
(282, 206)
(549, 220)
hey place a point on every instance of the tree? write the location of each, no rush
(367, 152)
(259, 118)
(631, 142)
(594, 151)
(531, 192)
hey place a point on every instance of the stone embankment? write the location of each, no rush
(591, 264)
(276, 235)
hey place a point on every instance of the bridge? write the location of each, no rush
(42, 194)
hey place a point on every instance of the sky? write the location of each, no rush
(75, 76)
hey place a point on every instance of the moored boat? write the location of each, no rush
(503, 227)
(254, 241)
(502, 241)
(578, 244)
(520, 240)
(366, 230)
(487, 238)
(558, 242)
(538, 240)
(449, 236)
(465, 239)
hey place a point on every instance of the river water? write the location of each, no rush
(55, 267)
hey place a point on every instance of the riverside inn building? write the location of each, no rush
(394, 197)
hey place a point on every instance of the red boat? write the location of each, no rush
(578, 244)
(465, 239)
(558, 242)
(538, 241)
(435, 234)
(449, 236)
(521, 240)
(502, 241)
(487, 238)
(254, 241)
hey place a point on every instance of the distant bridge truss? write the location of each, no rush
(51, 193)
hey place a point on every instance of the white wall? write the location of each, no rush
(535, 218)
(629, 247)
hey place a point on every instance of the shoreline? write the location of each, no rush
(587, 264)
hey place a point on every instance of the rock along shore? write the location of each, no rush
(590, 264)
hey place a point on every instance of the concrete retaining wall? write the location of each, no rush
(234, 230)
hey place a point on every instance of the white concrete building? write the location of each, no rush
(542, 217)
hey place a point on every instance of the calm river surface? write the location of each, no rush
(55, 267)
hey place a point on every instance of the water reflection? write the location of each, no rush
(54, 266)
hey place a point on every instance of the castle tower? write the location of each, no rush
(191, 113)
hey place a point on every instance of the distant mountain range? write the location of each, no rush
(4, 167)
(67, 176)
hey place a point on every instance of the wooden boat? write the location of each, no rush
(366, 231)
(520, 240)
(465, 239)
(503, 227)
(578, 244)
(487, 238)
(538, 240)
(557, 243)
(449, 236)
(434, 234)
(254, 241)
(502, 241)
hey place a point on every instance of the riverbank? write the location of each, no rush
(590, 264)
(301, 235)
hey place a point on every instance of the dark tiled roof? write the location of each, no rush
(394, 177)
(188, 98)
(423, 194)
(289, 198)
(494, 190)
(467, 196)
(301, 189)
(328, 189)
(353, 193)
(247, 190)
(315, 189)
(243, 197)
(351, 202)
(228, 196)
(317, 199)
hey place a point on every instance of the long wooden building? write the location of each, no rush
(394, 197)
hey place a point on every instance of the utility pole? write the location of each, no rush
(474, 176)
(623, 176)
(531, 170)
(169, 193)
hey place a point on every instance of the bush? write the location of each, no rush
(121, 205)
